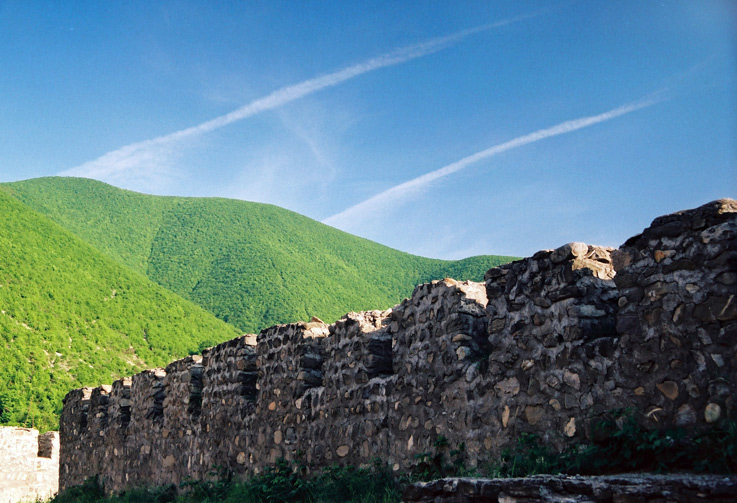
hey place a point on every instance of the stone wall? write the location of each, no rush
(547, 345)
(635, 488)
(677, 317)
(30, 464)
(552, 333)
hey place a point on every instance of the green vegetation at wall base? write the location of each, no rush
(277, 484)
(621, 446)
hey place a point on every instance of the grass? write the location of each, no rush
(442, 462)
(279, 483)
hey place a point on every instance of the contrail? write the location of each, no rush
(142, 157)
(398, 193)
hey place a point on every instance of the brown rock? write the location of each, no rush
(169, 461)
(659, 255)
(669, 389)
(533, 414)
(508, 386)
(570, 428)
(462, 338)
(505, 416)
(569, 251)
(463, 352)
(343, 451)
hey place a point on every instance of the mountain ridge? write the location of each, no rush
(251, 264)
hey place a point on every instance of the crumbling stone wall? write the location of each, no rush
(552, 333)
(546, 345)
(290, 360)
(350, 410)
(228, 399)
(75, 436)
(440, 346)
(677, 316)
(30, 464)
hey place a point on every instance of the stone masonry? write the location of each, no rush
(626, 488)
(548, 345)
(677, 283)
(30, 464)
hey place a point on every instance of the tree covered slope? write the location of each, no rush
(252, 265)
(72, 316)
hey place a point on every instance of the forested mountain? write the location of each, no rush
(252, 265)
(71, 316)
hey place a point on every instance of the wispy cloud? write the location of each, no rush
(149, 158)
(400, 194)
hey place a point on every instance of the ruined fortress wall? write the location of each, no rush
(74, 438)
(677, 316)
(439, 338)
(228, 400)
(547, 345)
(350, 410)
(552, 337)
(30, 464)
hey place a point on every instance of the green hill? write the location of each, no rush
(71, 316)
(252, 265)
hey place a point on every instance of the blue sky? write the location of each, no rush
(445, 129)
